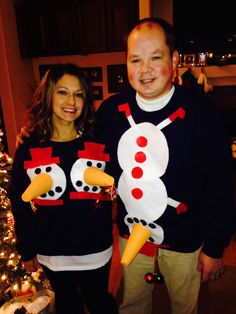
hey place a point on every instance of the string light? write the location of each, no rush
(14, 280)
(15, 287)
(2, 254)
(10, 262)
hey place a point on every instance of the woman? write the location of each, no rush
(68, 227)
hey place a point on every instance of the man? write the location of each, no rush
(171, 159)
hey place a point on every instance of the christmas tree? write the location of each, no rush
(14, 280)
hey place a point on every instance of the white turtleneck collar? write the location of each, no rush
(154, 104)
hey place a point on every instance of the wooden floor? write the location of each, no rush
(215, 298)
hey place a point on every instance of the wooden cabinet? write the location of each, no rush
(58, 25)
(73, 26)
(103, 24)
(121, 17)
(30, 34)
(91, 26)
(46, 28)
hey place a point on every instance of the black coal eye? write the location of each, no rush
(143, 222)
(89, 163)
(130, 220)
(58, 189)
(37, 171)
(152, 226)
(51, 193)
(48, 169)
(99, 165)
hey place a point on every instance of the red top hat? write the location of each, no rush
(40, 157)
(93, 151)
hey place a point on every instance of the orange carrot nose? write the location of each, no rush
(95, 176)
(138, 237)
(41, 184)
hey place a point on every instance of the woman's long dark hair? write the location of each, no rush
(38, 119)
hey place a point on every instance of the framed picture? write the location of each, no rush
(201, 59)
(189, 59)
(117, 78)
(93, 74)
(97, 92)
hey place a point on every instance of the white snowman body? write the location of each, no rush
(143, 155)
(154, 194)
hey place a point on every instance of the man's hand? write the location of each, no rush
(19, 136)
(32, 265)
(211, 268)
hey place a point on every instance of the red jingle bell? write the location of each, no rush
(154, 277)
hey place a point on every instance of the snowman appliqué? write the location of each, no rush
(144, 162)
(43, 161)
